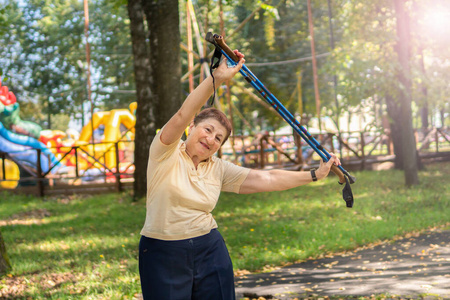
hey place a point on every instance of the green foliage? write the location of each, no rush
(45, 55)
(365, 60)
(3, 20)
(39, 44)
(31, 111)
(60, 122)
(43, 52)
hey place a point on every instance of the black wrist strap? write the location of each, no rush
(313, 175)
(215, 61)
(347, 193)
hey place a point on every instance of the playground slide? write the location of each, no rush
(112, 121)
(23, 154)
(118, 117)
(16, 140)
(98, 119)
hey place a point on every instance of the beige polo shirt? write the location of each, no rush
(180, 198)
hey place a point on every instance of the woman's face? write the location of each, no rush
(205, 138)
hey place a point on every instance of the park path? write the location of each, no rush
(413, 266)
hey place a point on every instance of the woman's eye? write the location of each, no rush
(207, 129)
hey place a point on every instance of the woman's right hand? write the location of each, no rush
(324, 168)
(224, 73)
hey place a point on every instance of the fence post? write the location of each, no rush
(363, 156)
(40, 183)
(331, 135)
(436, 138)
(76, 162)
(118, 183)
(261, 153)
(298, 144)
(3, 166)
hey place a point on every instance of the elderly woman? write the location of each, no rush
(181, 253)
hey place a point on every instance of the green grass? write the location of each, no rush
(87, 247)
(88, 241)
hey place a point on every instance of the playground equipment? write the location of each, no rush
(96, 141)
(12, 174)
(45, 150)
(113, 126)
(18, 138)
(20, 147)
(9, 115)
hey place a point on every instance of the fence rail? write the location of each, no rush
(79, 169)
(85, 169)
(360, 150)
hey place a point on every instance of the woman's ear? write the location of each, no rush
(191, 126)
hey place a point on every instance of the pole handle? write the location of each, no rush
(339, 173)
(336, 170)
(219, 41)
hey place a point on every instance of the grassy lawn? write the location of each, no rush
(86, 247)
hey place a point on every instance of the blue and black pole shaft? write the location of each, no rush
(344, 176)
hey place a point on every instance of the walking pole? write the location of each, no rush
(344, 176)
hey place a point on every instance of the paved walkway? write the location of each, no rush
(409, 267)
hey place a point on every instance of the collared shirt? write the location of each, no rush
(180, 198)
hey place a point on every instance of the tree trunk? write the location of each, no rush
(164, 33)
(155, 35)
(145, 113)
(5, 265)
(424, 103)
(408, 141)
(393, 110)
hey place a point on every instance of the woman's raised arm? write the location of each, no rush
(174, 129)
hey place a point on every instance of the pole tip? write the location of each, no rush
(351, 178)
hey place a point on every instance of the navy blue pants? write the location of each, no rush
(191, 269)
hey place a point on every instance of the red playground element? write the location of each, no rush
(6, 97)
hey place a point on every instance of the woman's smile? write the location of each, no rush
(209, 135)
(205, 145)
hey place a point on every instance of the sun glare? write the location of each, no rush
(436, 20)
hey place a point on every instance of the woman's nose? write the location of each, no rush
(210, 139)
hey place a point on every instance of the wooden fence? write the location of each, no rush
(89, 171)
(359, 150)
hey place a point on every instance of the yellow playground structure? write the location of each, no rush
(98, 139)
(12, 174)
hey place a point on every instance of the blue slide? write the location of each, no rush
(23, 154)
(21, 148)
